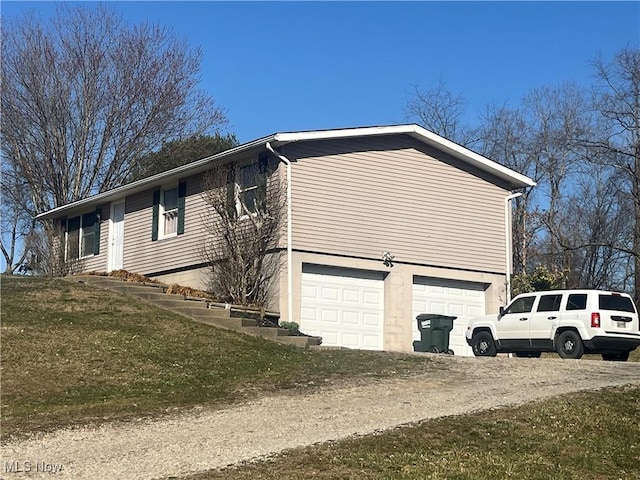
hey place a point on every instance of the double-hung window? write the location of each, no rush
(169, 207)
(168, 212)
(83, 236)
(247, 187)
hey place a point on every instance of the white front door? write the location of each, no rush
(463, 300)
(344, 307)
(116, 237)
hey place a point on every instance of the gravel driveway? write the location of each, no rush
(207, 439)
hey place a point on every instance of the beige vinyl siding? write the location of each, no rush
(392, 194)
(144, 256)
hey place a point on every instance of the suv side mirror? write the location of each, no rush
(501, 312)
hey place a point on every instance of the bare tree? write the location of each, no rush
(593, 231)
(86, 95)
(248, 211)
(556, 118)
(617, 99)
(16, 224)
(46, 253)
(504, 136)
(441, 111)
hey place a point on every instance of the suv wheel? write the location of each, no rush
(483, 345)
(569, 345)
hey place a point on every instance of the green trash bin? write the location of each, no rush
(434, 333)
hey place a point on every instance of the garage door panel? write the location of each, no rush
(329, 315)
(350, 310)
(371, 342)
(330, 294)
(372, 319)
(350, 340)
(449, 297)
(350, 318)
(351, 295)
(310, 291)
(373, 299)
(437, 307)
(329, 337)
(456, 309)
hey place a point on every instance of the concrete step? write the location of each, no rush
(137, 290)
(300, 341)
(267, 332)
(168, 301)
(235, 318)
(237, 324)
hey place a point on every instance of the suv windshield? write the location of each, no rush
(617, 303)
(520, 305)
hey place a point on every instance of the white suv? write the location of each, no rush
(570, 322)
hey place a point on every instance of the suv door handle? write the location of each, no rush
(551, 318)
(524, 319)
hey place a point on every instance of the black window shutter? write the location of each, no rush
(231, 192)
(73, 238)
(182, 193)
(156, 214)
(96, 231)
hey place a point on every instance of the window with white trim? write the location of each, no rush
(169, 212)
(247, 187)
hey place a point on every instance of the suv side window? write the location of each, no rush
(549, 303)
(577, 301)
(520, 305)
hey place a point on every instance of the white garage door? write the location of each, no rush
(344, 307)
(448, 297)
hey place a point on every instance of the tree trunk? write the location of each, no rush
(636, 224)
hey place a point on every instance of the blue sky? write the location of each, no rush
(286, 66)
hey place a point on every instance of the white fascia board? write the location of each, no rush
(474, 158)
(155, 180)
(420, 134)
(342, 133)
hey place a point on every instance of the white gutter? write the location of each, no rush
(508, 240)
(286, 161)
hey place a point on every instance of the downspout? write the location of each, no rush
(286, 161)
(508, 240)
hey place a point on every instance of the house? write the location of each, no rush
(384, 223)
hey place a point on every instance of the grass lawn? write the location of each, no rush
(585, 436)
(76, 354)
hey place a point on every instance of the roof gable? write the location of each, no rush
(476, 160)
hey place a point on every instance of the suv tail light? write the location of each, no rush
(595, 320)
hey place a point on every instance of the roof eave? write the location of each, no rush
(512, 177)
(154, 180)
